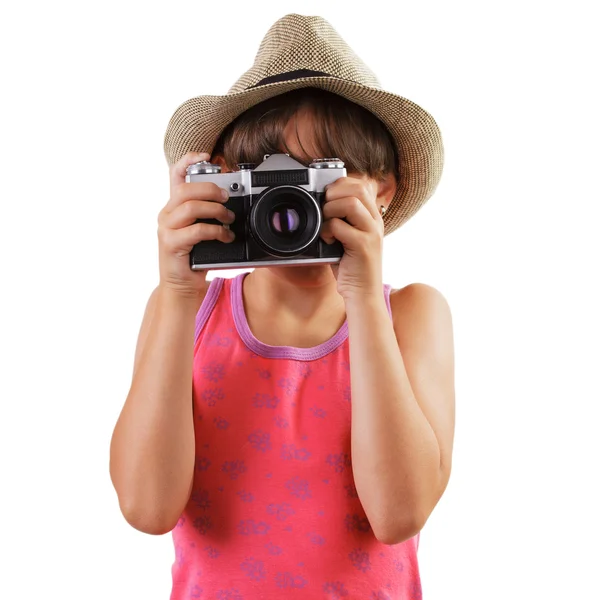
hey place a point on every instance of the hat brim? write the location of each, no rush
(197, 124)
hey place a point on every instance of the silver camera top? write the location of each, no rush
(205, 167)
(275, 170)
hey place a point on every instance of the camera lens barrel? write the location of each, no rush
(285, 220)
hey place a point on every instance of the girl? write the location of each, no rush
(292, 426)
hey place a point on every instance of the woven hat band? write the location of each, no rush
(289, 76)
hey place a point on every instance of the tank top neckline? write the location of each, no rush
(234, 296)
(266, 350)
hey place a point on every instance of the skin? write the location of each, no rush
(402, 369)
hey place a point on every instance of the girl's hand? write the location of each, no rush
(352, 217)
(178, 231)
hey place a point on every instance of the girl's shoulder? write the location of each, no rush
(417, 300)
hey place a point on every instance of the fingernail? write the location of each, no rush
(224, 193)
(231, 214)
(230, 234)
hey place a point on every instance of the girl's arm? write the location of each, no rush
(402, 377)
(152, 451)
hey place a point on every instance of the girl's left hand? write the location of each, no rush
(354, 199)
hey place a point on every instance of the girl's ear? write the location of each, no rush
(386, 190)
(218, 159)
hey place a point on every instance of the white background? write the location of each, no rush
(510, 238)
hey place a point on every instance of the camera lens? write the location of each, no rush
(285, 220)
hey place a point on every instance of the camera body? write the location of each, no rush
(278, 213)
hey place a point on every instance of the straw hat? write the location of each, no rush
(300, 51)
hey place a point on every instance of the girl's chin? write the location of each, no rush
(310, 272)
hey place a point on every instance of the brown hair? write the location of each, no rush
(343, 129)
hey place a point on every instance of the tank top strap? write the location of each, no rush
(208, 304)
(387, 289)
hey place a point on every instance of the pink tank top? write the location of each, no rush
(274, 512)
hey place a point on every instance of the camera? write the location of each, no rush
(278, 213)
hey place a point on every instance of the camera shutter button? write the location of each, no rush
(326, 163)
(203, 168)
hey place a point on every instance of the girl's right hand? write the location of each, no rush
(178, 230)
